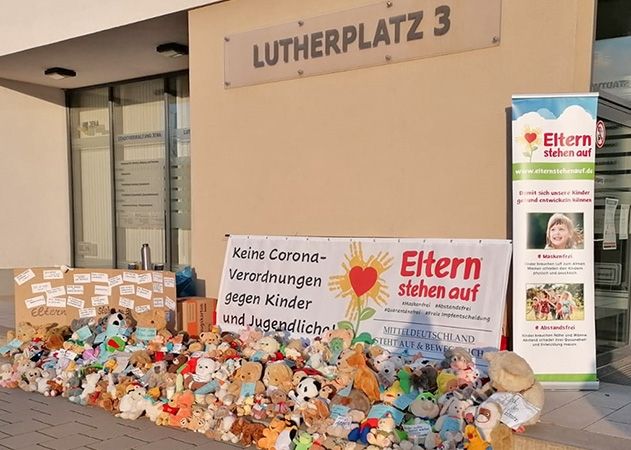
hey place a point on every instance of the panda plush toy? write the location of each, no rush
(307, 389)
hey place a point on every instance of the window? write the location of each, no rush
(130, 147)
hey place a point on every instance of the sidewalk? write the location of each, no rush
(31, 421)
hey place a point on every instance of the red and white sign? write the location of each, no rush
(413, 295)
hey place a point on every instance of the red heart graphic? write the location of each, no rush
(362, 280)
(530, 137)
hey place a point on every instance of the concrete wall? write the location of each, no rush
(32, 23)
(414, 149)
(35, 225)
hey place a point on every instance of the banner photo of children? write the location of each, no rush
(555, 302)
(555, 231)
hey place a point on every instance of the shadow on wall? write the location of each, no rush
(6, 282)
(45, 93)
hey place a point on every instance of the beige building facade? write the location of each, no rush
(414, 148)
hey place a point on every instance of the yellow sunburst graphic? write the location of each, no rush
(361, 282)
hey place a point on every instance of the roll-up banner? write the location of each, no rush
(553, 210)
(411, 295)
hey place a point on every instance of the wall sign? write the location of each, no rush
(386, 32)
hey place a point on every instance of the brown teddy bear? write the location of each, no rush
(249, 372)
(509, 372)
(154, 318)
(278, 376)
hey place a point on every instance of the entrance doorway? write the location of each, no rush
(612, 249)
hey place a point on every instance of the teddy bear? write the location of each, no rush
(383, 435)
(278, 375)
(29, 377)
(210, 339)
(249, 373)
(449, 425)
(25, 332)
(6, 376)
(509, 372)
(265, 348)
(280, 403)
(133, 404)
(202, 381)
(153, 318)
(337, 340)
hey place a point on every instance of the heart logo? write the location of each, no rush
(362, 280)
(530, 137)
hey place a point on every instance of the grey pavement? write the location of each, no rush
(31, 421)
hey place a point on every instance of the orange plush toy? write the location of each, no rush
(364, 379)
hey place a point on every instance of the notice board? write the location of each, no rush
(52, 294)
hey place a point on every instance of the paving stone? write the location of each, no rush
(152, 433)
(106, 430)
(25, 426)
(69, 442)
(14, 417)
(191, 437)
(66, 429)
(166, 444)
(119, 443)
(24, 440)
(53, 419)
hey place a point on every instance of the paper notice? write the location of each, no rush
(144, 278)
(609, 233)
(22, 278)
(81, 278)
(127, 289)
(76, 302)
(157, 277)
(56, 292)
(142, 309)
(158, 302)
(98, 277)
(144, 293)
(157, 287)
(53, 275)
(169, 282)
(87, 312)
(56, 302)
(115, 281)
(38, 288)
(101, 289)
(516, 409)
(76, 289)
(126, 303)
(623, 224)
(170, 304)
(130, 277)
(40, 300)
(100, 300)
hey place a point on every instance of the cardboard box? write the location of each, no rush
(196, 314)
(46, 295)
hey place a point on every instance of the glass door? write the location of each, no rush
(612, 202)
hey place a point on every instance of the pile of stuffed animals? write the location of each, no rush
(272, 391)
